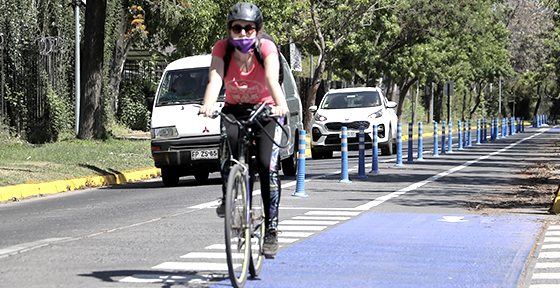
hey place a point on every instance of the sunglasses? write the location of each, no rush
(249, 29)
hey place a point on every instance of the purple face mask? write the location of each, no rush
(245, 45)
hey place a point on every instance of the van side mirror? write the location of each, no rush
(391, 104)
(313, 109)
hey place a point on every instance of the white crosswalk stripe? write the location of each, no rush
(210, 265)
(547, 268)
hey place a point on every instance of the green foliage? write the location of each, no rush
(133, 111)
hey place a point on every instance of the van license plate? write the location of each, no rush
(204, 154)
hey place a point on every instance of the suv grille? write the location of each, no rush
(337, 126)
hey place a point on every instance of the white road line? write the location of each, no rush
(552, 233)
(328, 218)
(551, 246)
(307, 222)
(30, 246)
(210, 255)
(332, 213)
(301, 228)
(547, 265)
(296, 234)
(378, 201)
(549, 255)
(546, 276)
(554, 227)
(163, 278)
(191, 266)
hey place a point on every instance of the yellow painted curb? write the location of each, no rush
(57, 186)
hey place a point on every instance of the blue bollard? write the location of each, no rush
(410, 145)
(497, 128)
(534, 121)
(344, 156)
(470, 135)
(443, 138)
(450, 138)
(300, 184)
(477, 132)
(460, 135)
(513, 128)
(362, 156)
(484, 131)
(420, 143)
(492, 127)
(375, 153)
(436, 140)
(399, 146)
(465, 144)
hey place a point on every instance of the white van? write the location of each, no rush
(184, 143)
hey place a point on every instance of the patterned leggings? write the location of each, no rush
(267, 158)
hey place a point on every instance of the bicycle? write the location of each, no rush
(245, 215)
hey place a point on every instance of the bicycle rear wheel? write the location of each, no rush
(237, 232)
(257, 235)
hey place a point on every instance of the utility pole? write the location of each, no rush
(77, 4)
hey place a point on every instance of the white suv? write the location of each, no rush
(353, 107)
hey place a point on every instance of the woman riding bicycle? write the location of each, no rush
(249, 83)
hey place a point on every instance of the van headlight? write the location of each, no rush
(377, 114)
(164, 132)
(320, 118)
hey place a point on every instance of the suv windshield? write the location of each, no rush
(351, 100)
(184, 87)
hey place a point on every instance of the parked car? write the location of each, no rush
(353, 107)
(184, 143)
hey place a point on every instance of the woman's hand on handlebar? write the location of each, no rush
(206, 110)
(279, 110)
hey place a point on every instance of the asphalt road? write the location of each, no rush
(408, 226)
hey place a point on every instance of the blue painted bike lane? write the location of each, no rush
(408, 250)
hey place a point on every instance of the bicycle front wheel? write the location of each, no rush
(237, 232)
(257, 235)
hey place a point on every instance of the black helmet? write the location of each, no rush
(246, 12)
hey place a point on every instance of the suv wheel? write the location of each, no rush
(387, 148)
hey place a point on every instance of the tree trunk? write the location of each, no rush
(402, 95)
(91, 110)
(536, 112)
(312, 92)
(122, 47)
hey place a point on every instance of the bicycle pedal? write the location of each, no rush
(270, 256)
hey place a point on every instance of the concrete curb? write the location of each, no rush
(57, 186)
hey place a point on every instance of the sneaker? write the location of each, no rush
(270, 247)
(221, 209)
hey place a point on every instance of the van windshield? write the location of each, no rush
(184, 87)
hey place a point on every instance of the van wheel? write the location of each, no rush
(201, 176)
(169, 177)
(289, 165)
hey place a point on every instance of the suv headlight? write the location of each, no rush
(164, 132)
(377, 114)
(320, 118)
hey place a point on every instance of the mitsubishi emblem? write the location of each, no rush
(205, 130)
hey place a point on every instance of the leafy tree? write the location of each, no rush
(327, 24)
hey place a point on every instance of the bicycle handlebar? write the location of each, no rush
(262, 112)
